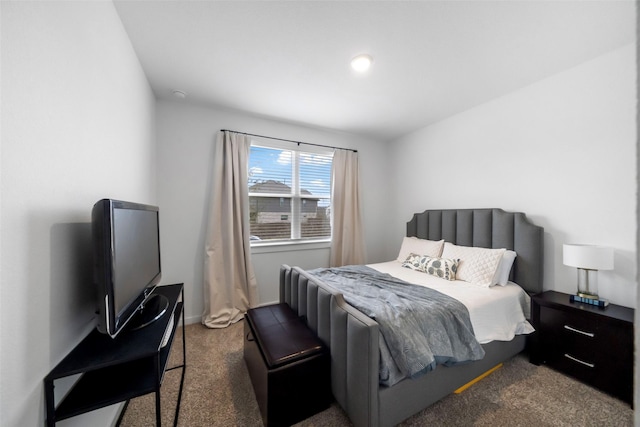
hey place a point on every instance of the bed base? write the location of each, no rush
(353, 340)
(411, 396)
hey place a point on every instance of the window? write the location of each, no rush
(289, 193)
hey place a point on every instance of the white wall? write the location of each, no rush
(186, 135)
(77, 125)
(562, 150)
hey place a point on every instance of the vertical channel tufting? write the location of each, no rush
(302, 297)
(363, 372)
(434, 230)
(464, 228)
(293, 292)
(422, 225)
(295, 285)
(312, 306)
(338, 347)
(324, 313)
(283, 283)
(449, 225)
(503, 229)
(482, 228)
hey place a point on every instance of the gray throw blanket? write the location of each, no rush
(420, 327)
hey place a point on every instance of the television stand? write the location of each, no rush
(118, 369)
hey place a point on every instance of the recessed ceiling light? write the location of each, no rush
(179, 94)
(361, 63)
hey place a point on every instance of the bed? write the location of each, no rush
(353, 337)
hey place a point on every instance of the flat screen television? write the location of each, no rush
(126, 246)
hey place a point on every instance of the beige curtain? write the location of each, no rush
(347, 241)
(230, 286)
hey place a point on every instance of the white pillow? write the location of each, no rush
(413, 245)
(477, 265)
(504, 268)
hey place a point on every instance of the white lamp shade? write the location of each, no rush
(589, 257)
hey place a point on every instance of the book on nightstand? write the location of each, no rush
(591, 301)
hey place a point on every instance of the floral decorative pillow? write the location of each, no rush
(443, 268)
(416, 262)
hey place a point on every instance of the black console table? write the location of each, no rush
(117, 370)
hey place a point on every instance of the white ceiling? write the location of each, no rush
(290, 59)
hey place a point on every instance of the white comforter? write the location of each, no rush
(497, 313)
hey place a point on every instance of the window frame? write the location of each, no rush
(296, 198)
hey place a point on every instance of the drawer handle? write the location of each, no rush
(589, 334)
(590, 365)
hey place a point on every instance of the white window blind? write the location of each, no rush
(289, 194)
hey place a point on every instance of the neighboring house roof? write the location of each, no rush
(272, 186)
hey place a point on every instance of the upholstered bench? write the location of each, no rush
(289, 366)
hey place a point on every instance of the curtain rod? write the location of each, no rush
(289, 140)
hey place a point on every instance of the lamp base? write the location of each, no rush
(587, 295)
(600, 303)
(587, 283)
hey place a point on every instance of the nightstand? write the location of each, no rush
(591, 344)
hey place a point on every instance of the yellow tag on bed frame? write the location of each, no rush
(475, 380)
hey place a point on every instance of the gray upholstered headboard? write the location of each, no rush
(488, 228)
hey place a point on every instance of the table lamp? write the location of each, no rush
(588, 259)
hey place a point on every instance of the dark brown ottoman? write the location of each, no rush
(289, 366)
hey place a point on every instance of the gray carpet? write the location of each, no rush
(217, 392)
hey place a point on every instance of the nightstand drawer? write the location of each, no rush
(571, 343)
(562, 321)
(569, 331)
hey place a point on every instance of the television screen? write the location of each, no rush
(126, 260)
